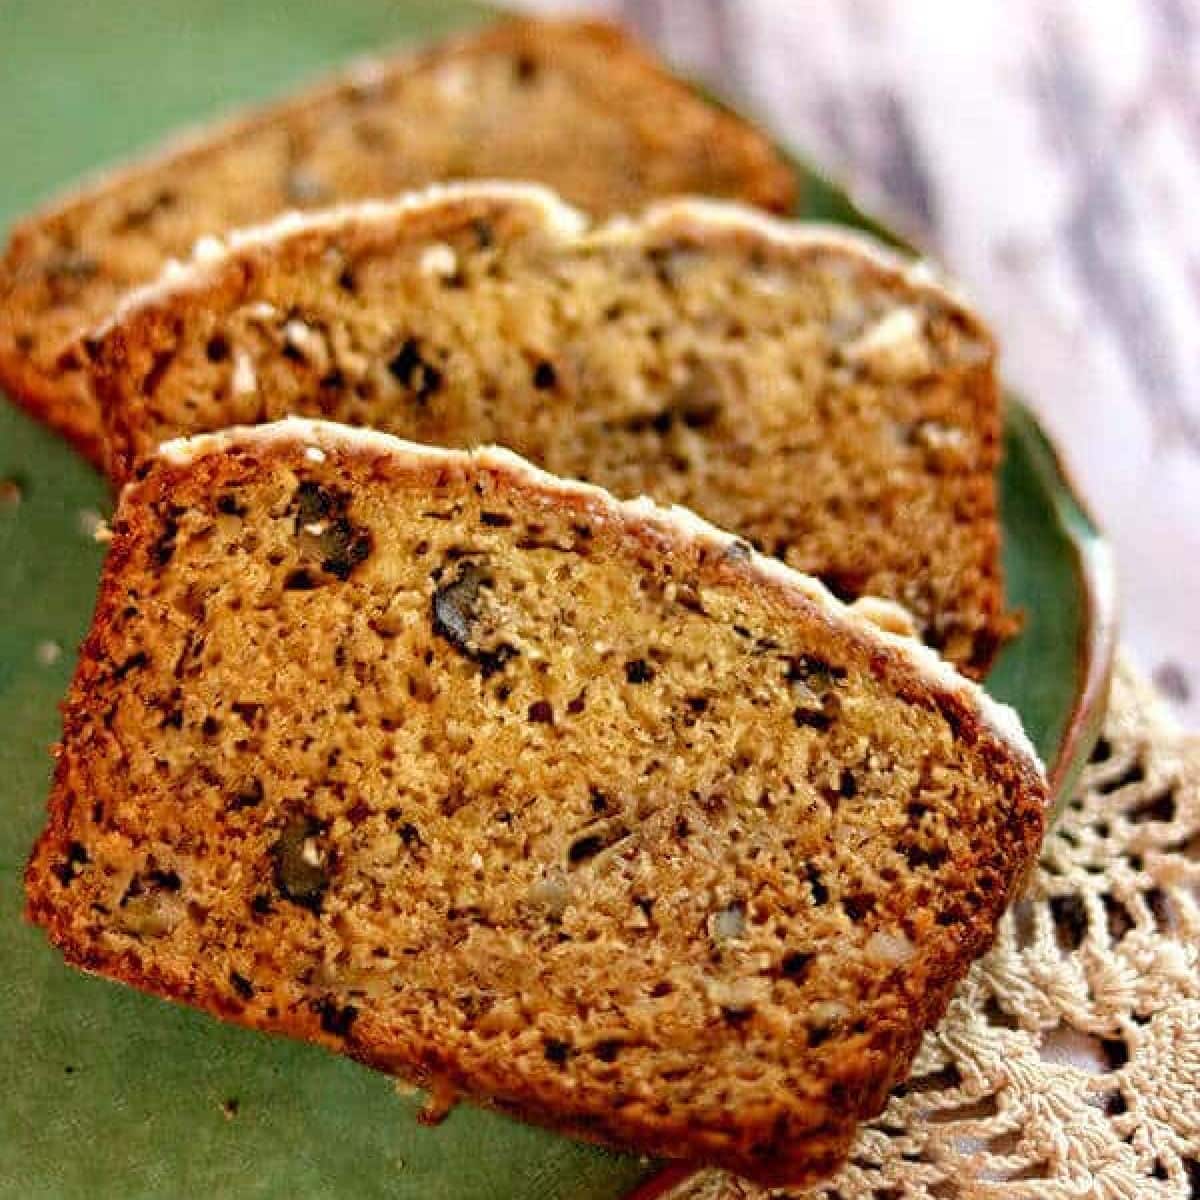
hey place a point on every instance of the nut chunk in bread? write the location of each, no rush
(573, 103)
(792, 384)
(579, 808)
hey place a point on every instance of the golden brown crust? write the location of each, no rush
(66, 266)
(778, 1137)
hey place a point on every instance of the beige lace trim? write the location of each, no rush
(1068, 1064)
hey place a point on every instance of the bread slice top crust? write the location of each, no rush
(579, 808)
(574, 103)
(793, 383)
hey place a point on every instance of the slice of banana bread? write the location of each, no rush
(581, 809)
(574, 103)
(790, 383)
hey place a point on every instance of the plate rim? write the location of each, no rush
(1095, 570)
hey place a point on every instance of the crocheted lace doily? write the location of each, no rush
(1068, 1064)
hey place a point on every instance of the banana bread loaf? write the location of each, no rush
(581, 809)
(574, 103)
(789, 383)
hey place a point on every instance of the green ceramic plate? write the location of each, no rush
(108, 1093)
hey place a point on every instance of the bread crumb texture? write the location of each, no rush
(562, 807)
